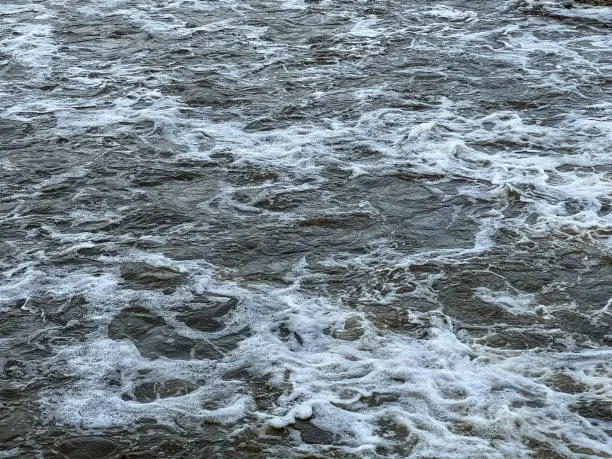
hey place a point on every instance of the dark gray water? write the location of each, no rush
(336, 229)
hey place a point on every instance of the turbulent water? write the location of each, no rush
(339, 229)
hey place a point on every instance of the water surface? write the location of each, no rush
(336, 229)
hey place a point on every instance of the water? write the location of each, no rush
(305, 229)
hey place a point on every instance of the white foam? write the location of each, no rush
(452, 14)
(30, 43)
(523, 304)
(364, 28)
(424, 376)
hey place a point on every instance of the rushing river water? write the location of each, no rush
(332, 229)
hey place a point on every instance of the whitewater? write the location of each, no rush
(305, 228)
